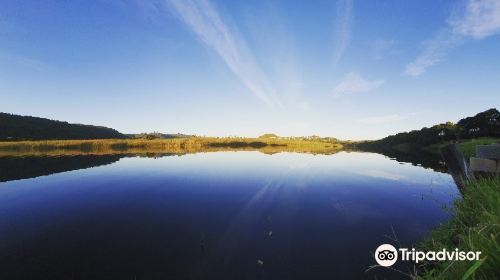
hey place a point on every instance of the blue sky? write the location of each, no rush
(348, 69)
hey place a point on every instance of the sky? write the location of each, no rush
(347, 69)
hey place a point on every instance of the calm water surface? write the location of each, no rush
(224, 215)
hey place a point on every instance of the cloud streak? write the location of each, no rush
(481, 19)
(477, 19)
(354, 83)
(435, 51)
(382, 48)
(9, 59)
(343, 21)
(270, 36)
(204, 21)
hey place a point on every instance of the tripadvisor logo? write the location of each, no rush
(387, 255)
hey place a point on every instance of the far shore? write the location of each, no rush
(175, 146)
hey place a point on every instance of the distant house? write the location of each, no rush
(474, 130)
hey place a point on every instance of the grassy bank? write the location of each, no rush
(176, 145)
(475, 226)
(468, 146)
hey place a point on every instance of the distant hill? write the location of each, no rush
(15, 127)
(158, 135)
(484, 124)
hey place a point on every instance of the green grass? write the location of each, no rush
(475, 226)
(469, 147)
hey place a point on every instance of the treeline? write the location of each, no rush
(485, 124)
(158, 135)
(16, 128)
(300, 138)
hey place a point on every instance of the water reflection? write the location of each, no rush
(416, 157)
(224, 215)
(24, 167)
(14, 167)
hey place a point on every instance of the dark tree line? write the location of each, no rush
(15, 127)
(484, 124)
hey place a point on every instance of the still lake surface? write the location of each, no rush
(220, 215)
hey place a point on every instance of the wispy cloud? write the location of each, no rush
(435, 51)
(382, 119)
(383, 47)
(10, 59)
(354, 83)
(204, 20)
(343, 21)
(477, 19)
(268, 32)
(480, 19)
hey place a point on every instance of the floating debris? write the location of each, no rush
(270, 233)
(260, 262)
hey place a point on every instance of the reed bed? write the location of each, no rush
(176, 145)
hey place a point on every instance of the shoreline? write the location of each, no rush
(474, 226)
(175, 145)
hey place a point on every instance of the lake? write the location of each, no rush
(218, 215)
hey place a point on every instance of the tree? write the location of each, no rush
(269, 136)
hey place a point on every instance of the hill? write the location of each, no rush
(15, 127)
(158, 135)
(484, 124)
